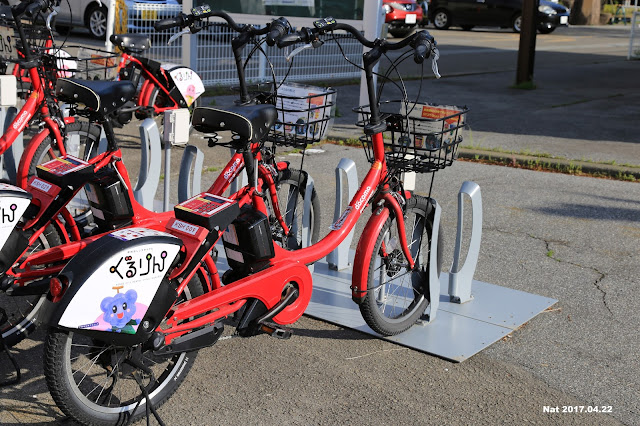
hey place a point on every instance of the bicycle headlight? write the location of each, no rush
(546, 9)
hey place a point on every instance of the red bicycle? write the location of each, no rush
(124, 306)
(161, 88)
(25, 276)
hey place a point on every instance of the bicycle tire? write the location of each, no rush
(22, 310)
(60, 354)
(89, 139)
(393, 306)
(291, 189)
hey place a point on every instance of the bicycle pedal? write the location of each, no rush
(276, 331)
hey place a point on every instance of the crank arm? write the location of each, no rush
(290, 296)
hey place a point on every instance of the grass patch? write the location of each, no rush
(525, 85)
(345, 142)
(550, 253)
(211, 169)
(510, 152)
(581, 101)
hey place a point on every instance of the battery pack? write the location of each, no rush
(208, 210)
(248, 242)
(65, 171)
(109, 201)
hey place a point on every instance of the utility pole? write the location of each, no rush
(527, 49)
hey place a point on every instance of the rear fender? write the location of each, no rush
(117, 291)
(187, 84)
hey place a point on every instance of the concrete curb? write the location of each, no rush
(561, 165)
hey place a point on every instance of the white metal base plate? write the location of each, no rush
(459, 330)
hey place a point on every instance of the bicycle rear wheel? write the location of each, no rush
(92, 382)
(291, 190)
(87, 135)
(396, 295)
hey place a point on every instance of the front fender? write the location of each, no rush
(364, 253)
(117, 289)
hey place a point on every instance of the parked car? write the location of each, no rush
(502, 13)
(93, 15)
(402, 16)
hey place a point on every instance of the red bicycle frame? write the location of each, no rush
(285, 266)
(28, 270)
(150, 83)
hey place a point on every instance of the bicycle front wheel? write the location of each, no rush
(396, 295)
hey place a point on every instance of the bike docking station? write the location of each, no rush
(464, 316)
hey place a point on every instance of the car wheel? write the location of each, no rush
(442, 19)
(516, 23)
(401, 32)
(546, 30)
(467, 27)
(97, 22)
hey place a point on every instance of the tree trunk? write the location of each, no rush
(585, 12)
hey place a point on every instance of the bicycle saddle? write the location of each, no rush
(99, 96)
(250, 122)
(134, 43)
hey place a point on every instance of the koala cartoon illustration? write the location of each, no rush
(119, 310)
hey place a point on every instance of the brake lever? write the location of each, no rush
(178, 35)
(53, 13)
(297, 50)
(435, 55)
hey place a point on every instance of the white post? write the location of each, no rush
(189, 53)
(372, 19)
(111, 21)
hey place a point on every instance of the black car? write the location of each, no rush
(501, 13)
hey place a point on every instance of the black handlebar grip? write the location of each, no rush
(421, 52)
(165, 24)
(35, 7)
(289, 39)
(279, 28)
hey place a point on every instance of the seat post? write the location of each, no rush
(249, 166)
(108, 131)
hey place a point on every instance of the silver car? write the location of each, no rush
(93, 15)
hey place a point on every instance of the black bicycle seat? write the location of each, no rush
(134, 43)
(99, 96)
(250, 122)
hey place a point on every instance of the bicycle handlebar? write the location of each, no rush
(278, 29)
(274, 29)
(31, 8)
(422, 42)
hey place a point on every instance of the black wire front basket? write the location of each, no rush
(421, 138)
(304, 115)
(88, 64)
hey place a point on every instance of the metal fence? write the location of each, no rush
(214, 61)
(634, 39)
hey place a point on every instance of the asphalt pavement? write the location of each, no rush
(572, 238)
